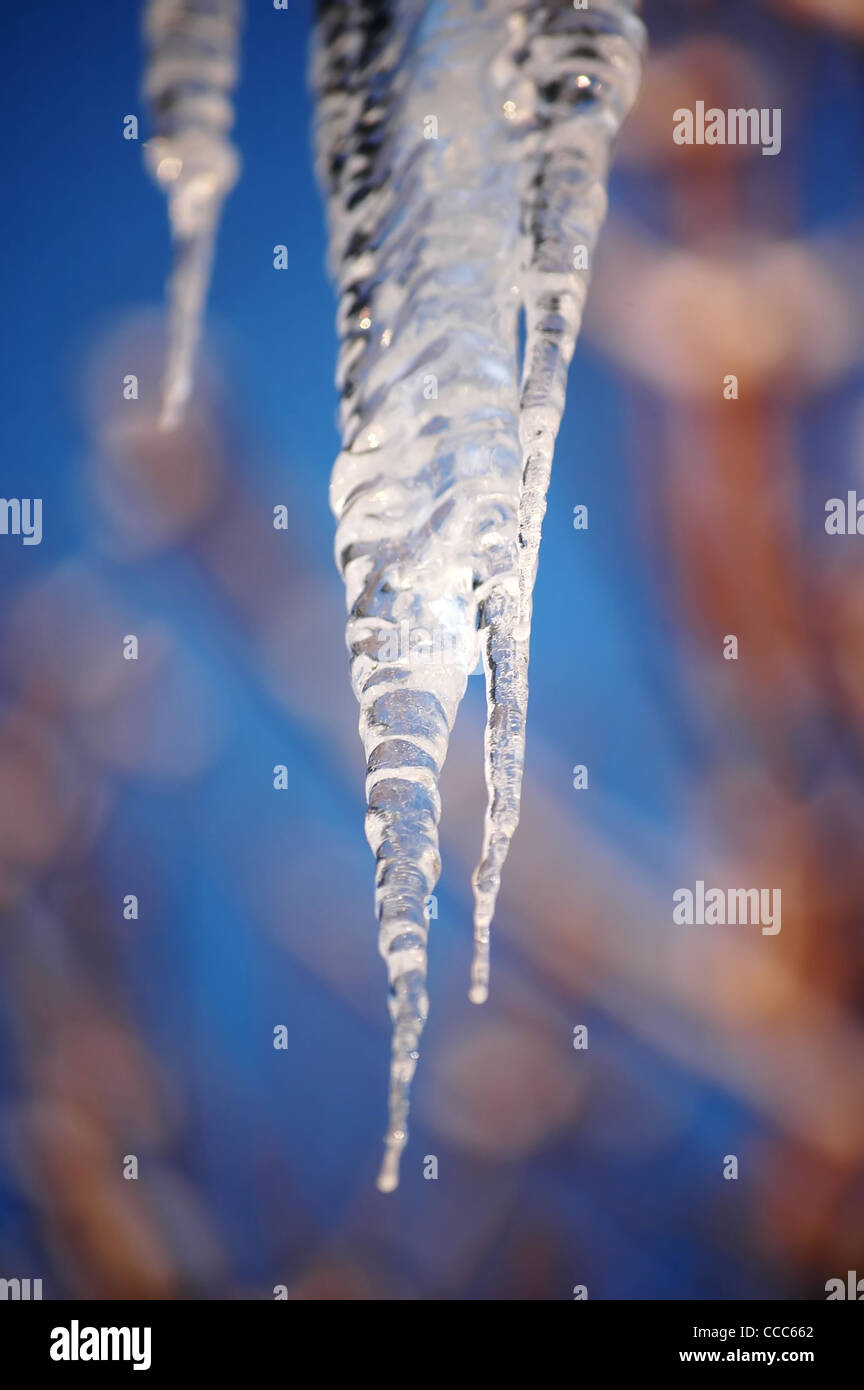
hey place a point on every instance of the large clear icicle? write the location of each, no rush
(463, 145)
(426, 488)
(191, 74)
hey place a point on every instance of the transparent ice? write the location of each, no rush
(191, 74)
(464, 147)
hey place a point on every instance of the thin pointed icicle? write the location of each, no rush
(583, 67)
(438, 138)
(191, 74)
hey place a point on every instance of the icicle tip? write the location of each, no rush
(388, 1177)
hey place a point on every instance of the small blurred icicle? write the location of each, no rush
(191, 74)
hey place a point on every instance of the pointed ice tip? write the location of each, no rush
(388, 1178)
(478, 992)
(175, 398)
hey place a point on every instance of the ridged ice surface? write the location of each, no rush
(463, 146)
(191, 74)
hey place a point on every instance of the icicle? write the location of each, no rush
(463, 147)
(583, 68)
(191, 73)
